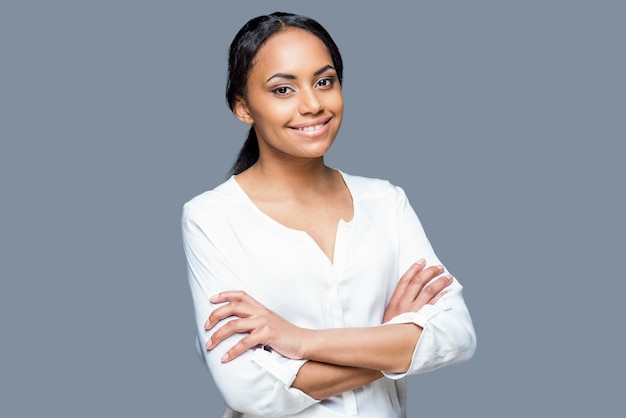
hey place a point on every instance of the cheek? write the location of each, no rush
(278, 112)
(336, 103)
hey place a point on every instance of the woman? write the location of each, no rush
(315, 291)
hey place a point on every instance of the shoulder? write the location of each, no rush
(214, 203)
(365, 188)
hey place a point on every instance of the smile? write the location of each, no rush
(311, 128)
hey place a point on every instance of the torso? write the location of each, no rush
(316, 213)
(263, 253)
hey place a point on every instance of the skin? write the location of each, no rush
(286, 91)
(293, 85)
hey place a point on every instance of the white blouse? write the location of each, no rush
(231, 245)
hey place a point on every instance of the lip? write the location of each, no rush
(313, 122)
(308, 128)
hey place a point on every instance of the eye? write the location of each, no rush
(282, 91)
(326, 82)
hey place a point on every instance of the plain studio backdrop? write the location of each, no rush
(503, 121)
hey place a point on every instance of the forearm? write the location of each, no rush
(388, 347)
(323, 380)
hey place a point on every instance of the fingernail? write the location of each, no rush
(421, 261)
(214, 297)
(224, 357)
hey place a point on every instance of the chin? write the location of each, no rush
(316, 152)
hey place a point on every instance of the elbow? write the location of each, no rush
(259, 395)
(250, 404)
(466, 347)
(462, 345)
(258, 390)
(457, 338)
(261, 406)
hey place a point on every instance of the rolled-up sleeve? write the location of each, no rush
(258, 382)
(448, 334)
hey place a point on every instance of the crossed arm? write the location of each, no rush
(339, 359)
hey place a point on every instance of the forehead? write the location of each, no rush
(291, 51)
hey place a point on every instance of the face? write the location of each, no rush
(293, 97)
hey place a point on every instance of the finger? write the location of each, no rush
(246, 343)
(419, 282)
(240, 309)
(406, 279)
(438, 297)
(433, 289)
(413, 270)
(236, 326)
(231, 296)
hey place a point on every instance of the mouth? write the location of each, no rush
(312, 127)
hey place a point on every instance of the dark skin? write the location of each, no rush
(335, 365)
(295, 105)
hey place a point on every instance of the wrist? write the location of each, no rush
(309, 343)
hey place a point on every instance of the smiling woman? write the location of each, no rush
(316, 292)
(293, 98)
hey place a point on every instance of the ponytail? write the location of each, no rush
(248, 155)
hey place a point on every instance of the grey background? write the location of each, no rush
(504, 122)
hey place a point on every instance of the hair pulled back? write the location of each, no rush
(243, 49)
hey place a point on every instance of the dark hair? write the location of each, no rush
(244, 48)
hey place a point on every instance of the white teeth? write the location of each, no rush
(312, 128)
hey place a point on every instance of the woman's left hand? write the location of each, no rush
(263, 326)
(414, 291)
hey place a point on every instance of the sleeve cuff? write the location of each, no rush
(420, 318)
(285, 371)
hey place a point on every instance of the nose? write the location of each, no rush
(309, 102)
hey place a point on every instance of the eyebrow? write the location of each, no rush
(293, 77)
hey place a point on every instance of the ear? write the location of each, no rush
(242, 112)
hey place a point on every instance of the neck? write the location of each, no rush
(292, 177)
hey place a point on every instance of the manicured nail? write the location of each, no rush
(224, 357)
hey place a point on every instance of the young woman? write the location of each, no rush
(315, 291)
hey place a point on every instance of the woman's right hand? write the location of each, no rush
(413, 291)
(262, 326)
